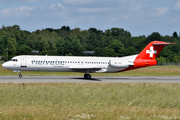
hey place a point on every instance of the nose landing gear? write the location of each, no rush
(20, 76)
(18, 71)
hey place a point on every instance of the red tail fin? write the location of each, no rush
(148, 55)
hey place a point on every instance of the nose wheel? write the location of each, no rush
(20, 76)
(87, 76)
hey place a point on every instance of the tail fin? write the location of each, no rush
(147, 56)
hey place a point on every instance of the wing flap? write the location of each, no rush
(85, 68)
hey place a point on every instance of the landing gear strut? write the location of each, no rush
(87, 76)
(20, 76)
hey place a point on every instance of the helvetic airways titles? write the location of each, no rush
(45, 62)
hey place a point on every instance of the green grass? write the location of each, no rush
(148, 71)
(100, 101)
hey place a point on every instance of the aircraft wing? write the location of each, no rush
(86, 68)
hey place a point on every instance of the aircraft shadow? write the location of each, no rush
(92, 79)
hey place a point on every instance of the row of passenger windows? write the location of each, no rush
(84, 62)
(15, 60)
(96, 62)
(73, 62)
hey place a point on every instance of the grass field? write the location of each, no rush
(94, 101)
(148, 71)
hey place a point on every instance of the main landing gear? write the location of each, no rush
(87, 76)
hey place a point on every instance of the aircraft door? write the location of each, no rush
(23, 62)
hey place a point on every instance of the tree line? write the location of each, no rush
(72, 42)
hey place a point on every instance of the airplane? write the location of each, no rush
(87, 65)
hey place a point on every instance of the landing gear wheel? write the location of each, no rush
(87, 76)
(20, 76)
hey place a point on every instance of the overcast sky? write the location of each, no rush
(140, 17)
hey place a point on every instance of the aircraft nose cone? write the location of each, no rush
(4, 65)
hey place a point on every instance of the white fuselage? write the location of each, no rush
(69, 63)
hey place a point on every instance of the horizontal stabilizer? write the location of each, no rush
(163, 43)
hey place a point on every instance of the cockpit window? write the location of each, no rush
(15, 60)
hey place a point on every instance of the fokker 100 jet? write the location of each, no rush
(87, 65)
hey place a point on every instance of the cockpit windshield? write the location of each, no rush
(15, 60)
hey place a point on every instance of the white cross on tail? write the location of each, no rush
(151, 51)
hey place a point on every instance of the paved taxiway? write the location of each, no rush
(95, 79)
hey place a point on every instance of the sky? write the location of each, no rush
(139, 17)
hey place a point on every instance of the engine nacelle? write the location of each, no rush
(119, 64)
